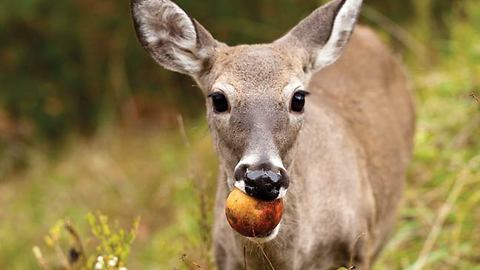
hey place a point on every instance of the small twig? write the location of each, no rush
(245, 257)
(78, 242)
(475, 97)
(265, 256)
(189, 263)
(352, 256)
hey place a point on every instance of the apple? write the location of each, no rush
(252, 217)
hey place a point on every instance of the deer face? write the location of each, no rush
(255, 94)
(256, 99)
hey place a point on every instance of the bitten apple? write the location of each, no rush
(251, 217)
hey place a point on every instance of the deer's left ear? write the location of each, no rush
(175, 40)
(324, 34)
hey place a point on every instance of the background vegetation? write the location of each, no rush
(88, 122)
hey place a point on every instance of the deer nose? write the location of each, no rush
(263, 182)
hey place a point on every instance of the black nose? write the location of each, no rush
(262, 182)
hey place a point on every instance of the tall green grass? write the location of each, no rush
(438, 226)
(152, 174)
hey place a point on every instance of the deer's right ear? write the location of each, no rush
(173, 39)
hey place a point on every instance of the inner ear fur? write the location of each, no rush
(173, 39)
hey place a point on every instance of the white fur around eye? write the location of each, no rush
(226, 89)
(290, 89)
(288, 93)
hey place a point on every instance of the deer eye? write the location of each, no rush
(298, 101)
(220, 102)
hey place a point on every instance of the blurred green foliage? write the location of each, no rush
(68, 68)
(108, 249)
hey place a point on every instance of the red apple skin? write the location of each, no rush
(251, 217)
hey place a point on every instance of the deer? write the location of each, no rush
(325, 118)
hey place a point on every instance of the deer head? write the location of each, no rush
(256, 95)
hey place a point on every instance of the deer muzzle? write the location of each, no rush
(263, 181)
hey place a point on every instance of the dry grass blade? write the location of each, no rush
(62, 257)
(200, 191)
(183, 132)
(394, 30)
(40, 259)
(265, 256)
(443, 213)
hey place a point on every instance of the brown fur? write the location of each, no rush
(352, 153)
(346, 155)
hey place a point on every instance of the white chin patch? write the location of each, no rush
(262, 240)
(282, 193)
(240, 185)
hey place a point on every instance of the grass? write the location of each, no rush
(170, 183)
(438, 227)
(152, 175)
(155, 174)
